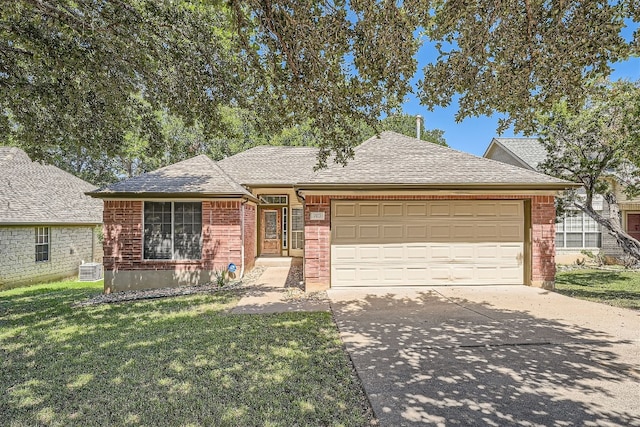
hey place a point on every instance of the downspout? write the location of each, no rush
(242, 238)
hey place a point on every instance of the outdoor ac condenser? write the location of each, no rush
(90, 272)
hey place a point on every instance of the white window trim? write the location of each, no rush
(48, 244)
(285, 224)
(582, 231)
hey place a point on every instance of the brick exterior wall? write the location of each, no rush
(318, 235)
(69, 246)
(543, 241)
(250, 236)
(123, 245)
(317, 244)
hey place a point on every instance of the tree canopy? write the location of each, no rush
(79, 76)
(598, 147)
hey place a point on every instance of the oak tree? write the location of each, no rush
(599, 148)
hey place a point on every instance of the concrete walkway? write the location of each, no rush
(269, 295)
(494, 356)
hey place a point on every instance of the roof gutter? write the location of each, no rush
(455, 186)
(174, 195)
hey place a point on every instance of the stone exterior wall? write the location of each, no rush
(69, 246)
(126, 269)
(318, 235)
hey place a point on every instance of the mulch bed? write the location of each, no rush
(248, 279)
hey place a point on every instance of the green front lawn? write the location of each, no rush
(168, 362)
(617, 288)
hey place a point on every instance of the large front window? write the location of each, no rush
(578, 230)
(172, 230)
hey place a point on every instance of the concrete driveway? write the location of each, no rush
(489, 355)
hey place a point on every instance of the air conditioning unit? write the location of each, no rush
(90, 272)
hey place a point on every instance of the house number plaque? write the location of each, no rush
(316, 216)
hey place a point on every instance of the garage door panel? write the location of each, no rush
(392, 209)
(344, 210)
(414, 252)
(376, 243)
(460, 272)
(347, 253)
(463, 209)
(438, 232)
(416, 231)
(417, 275)
(463, 232)
(513, 209)
(439, 209)
(345, 232)
(369, 210)
(392, 253)
(394, 232)
(418, 209)
(511, 231)
(368, 231)
(487, 231)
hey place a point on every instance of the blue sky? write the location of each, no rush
(474, 134)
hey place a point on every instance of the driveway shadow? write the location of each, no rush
(427, 359)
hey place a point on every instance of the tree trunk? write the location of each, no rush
(613, 226)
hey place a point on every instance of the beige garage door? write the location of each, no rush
(396, 243)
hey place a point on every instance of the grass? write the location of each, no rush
(616, 288)
(180, 361)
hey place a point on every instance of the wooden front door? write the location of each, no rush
(270, 232)
(633, 225)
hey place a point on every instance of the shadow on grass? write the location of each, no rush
(447, 361)
(179, 361)
(586, 279)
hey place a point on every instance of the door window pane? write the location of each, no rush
(270, 225)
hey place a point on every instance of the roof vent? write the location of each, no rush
(418, 127)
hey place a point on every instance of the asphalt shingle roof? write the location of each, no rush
(32, 193)
(197, 175)
(528, 150)
(271, 165)
(397, 159)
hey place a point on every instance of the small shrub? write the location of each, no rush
(629, 262)
(222, 277)
(597, 258)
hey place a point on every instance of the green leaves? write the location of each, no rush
(79, 76)
(521, 56)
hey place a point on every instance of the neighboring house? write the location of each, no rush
(574, 233)
(402, 212)
(48, 226)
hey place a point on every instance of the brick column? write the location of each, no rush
(543, 239)
(317, 244)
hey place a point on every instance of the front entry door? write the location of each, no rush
(633, 225)
(271, 230)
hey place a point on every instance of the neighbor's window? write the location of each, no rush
(172, 230)
(42, 244)
(578, 230)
